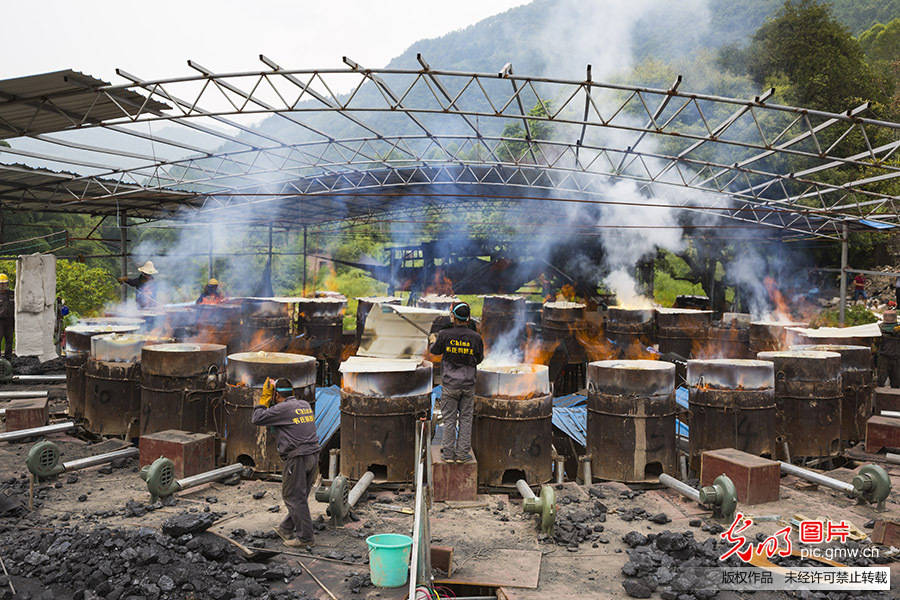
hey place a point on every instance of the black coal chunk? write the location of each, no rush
(183, 523)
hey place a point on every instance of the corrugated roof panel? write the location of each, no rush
(572, 420)
(62, 100)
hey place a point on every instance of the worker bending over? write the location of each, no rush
(211, 293)
(462, 349)
(298, 445)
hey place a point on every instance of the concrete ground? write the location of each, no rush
(478, 532)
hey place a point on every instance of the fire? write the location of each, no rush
(440, 285)
(781, 311)
(330, 282)
(566, 293)
(539, 352)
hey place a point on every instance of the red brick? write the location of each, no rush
(757, 479)
(26, 413)
(453, 481)
(882, 432)
(887, 399)
(192, 453)
(886, 533)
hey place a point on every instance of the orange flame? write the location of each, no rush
(440, 285)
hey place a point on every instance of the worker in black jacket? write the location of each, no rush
(298, 445)
(7, 316)
(461, 350)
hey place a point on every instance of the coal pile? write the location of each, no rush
(666, 564)
(579, 521)
(137, 564)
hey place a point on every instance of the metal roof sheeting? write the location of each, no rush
(63, 100)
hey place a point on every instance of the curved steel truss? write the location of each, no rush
(329, 135)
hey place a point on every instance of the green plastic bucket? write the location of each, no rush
(389, 559)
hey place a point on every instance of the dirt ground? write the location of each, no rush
(478, 532)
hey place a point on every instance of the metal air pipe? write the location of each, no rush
(870, 484)
(11, 436)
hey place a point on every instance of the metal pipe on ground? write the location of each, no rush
(340, 500)
(11, 436)
(893, 458)
(870, 484)
(891, 413)
(23, 394)
(545, 505)
(43, 378)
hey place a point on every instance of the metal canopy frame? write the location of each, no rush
(325, 156)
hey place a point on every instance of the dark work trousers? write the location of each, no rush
(457, 406)
(7, 329)
(297, 480)
(897, 294)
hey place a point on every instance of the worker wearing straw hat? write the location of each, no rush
(144, 285)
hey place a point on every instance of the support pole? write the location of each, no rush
(845, 246)
(123, 240)
(210, 263)
(304, 260)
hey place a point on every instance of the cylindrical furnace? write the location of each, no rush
(732, 404)
(437, 302)
(631, 330)
(266, 326)
(503, 323)
(320, 322)
(182, 387)
(247, 372)
(809, 397)
(858, 386)
(112, 383)
(78, 350)
(682, 330)
(381, 399)
(562, 327)
(771, 336)
(513, 431)
(631, 419)
(218, 324)
(728, 338)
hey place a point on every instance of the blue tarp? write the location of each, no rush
(328, 412)
(570, 415)
(876, 224)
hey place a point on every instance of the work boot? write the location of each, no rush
(298, 543)
(284, 534)
(465, 458)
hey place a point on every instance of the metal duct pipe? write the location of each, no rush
(360, 488)
(870, 484)
(893, 458)
(680, 487)
(23, 394)
(214, 475)
(525, 490)
(333, 463)
(891, 413)
(32, 378)
(99, 459)
(11, 436)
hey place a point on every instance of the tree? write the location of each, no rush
(823, 64)
(86, 290)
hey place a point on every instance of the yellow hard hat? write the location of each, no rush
(4, 278)
(213, 282)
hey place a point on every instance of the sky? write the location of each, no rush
(154, 40)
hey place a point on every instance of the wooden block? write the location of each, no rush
(442, 558)
(886, 533)
(26, 413)
(887, 399)
(757, 479)
(453, 481)
(192, 453)
(882, 432)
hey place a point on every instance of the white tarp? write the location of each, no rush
(859, 331)
(35, 295)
